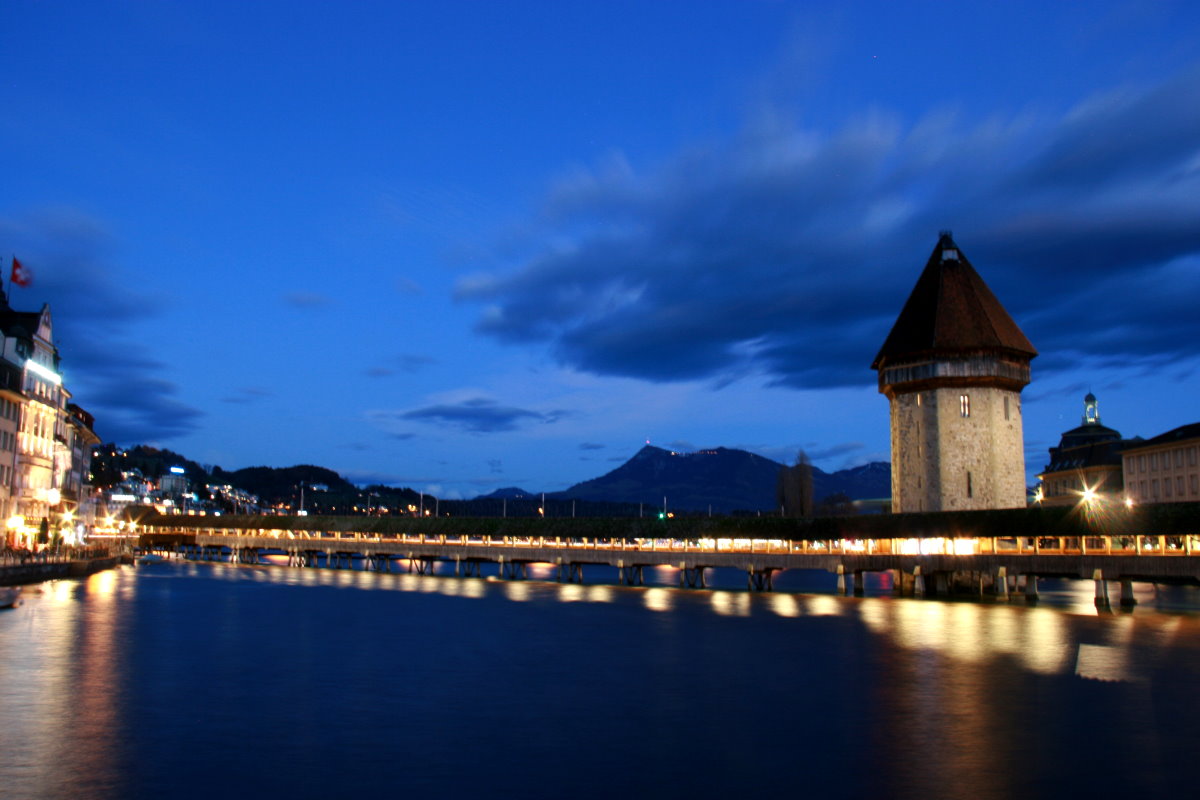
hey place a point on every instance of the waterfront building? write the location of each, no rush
(953, 368)
(1165, 469)
(44, 446)
(1086, 462)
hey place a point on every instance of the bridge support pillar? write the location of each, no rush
(918, 582)
(1101, 589)
(841, 579)
(692, 577)
(759, 580)
(1127, 598)
(941, 584)
(858, 583)
(1031, 590)
(1001, 583)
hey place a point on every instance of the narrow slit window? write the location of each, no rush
(970, 488)
(1006, 416)
(964, 404)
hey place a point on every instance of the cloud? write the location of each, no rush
(248, 394)
(842, 449)
(311, 300)
(94, 307)
(476, 415)
(406, 363)
(787, 253)
(591, 446)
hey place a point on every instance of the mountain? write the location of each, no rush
(721, 478)
(870, 481)
(507, 492)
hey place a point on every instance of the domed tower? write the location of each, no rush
(953, 368)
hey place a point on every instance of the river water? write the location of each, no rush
(182, 680)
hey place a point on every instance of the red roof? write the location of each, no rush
(951, 311)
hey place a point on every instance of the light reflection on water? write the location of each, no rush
(105, 683)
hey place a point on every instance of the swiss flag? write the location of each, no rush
(21, 276)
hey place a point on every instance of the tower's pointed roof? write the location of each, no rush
(951, 310)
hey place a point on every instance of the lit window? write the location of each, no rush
(964, 405)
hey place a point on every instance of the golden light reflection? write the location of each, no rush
(600, 594)
(785, 605)
(103, 583)
(731, 604)
(973, 633)
(571, 593)
(517, 591)
(823, 606)
(658, 599)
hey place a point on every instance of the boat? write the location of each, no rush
(150, 558)
(10, 597)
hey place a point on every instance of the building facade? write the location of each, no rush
(45, 446)
(1086, 464)
(1165, 469)
(953, 368)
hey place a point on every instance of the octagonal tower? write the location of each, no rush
(953, 368)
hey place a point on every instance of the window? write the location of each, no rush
(1166, 487)
(1195, 485)
(918, 399)
(1179, 486)
(1006, 408)
(964, 405)
(970, 490)
(1179, 458)
(1141, 463)
(1154, 462)
(1154, 488)
(1191, 456)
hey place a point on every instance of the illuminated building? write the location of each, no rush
(44, 446)
(1165, 469)
(953, 368)
(1088, 457)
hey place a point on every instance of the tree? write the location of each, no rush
(837, 505)
(794, 488)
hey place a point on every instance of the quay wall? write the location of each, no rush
(36, 572)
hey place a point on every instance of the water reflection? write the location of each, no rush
(658, 599)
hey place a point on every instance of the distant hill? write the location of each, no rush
(508, 492)
(723, 478)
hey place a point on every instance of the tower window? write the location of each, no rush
(970, 489)
(964, 405)
(1006, 408)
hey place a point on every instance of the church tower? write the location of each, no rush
(952, 369)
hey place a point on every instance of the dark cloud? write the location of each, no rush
(834, 451)
(787, 253)
(478, 415)
(93, 306)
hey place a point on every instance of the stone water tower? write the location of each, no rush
(953, 368)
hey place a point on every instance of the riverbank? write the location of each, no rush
(38, 571)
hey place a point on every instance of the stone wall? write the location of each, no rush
(943, 460)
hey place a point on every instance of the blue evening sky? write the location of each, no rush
(464, 245)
